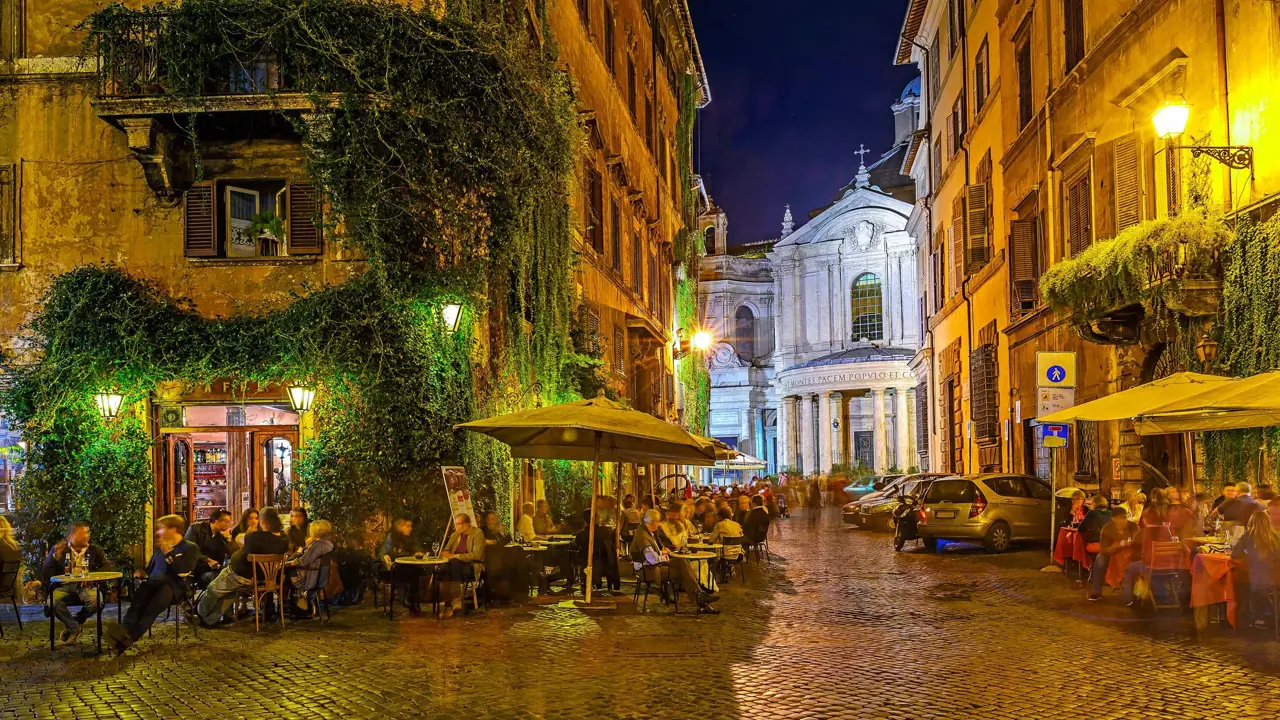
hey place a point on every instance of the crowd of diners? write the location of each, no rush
(211, 556)
(1169, 514)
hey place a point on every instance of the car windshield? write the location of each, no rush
(952, 491)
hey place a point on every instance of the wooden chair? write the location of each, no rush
(183, 608)
(740, 561)
(8, 580)
(268, 579)
(1167, 560)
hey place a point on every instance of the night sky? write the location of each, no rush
(795, 87)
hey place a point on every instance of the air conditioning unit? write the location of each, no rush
(173, 416)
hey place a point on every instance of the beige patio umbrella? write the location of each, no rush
(599, 430)
(1248, 403)
(1128, 404)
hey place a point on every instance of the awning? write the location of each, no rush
(1248, 403)
(1129, 404)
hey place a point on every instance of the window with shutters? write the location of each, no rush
(867, 303)
(619, 352)
(977, 245)
(584, 14)
(648, 123)
(957, 126)
(615, 235)
(984, 387)
(8, 213)
(955, 25)
(593, 331)
(610, 49)
(593, 209)
(935, 72)
(1073, 33)
(1026, 262)
(246, 219)
(936, 167)
(1022, 60)
(1079, 214)
(922, 422)
(637, 264)
(653, 282)
(956, 236)
(631, 86)
(981, 76)
(1128, 181)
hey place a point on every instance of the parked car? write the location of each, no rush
(858, 489)
(996, 509)
(851, 511)
(877, 514)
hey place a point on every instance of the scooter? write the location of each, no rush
(906, 517)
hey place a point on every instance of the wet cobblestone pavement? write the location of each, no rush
(837, 626)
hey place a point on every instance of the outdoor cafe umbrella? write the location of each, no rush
(599, 430)
(1128, 404)
(1248, 403)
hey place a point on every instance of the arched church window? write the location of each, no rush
(711, 239)
(868, 308)
(744, 333)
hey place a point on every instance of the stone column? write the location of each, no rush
(786, 432)
(900, 424)
(824, 431)
(804, 453)
(759, 443)
(746, 441)
(881, 449)
(838, 428)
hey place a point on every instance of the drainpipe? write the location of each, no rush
(1050, 204)
(1220, 25)
(928, 205)
(964, 219)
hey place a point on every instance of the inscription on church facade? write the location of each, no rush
(852, 377)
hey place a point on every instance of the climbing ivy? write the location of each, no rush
(692, 374)
(446, 160)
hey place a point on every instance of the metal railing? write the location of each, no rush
(129, 57)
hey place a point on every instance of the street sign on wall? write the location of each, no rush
(1056, 369)
(1055, 435)
(1051, 400)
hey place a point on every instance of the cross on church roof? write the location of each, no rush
(861, 152)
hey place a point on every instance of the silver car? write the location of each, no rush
(996, 509)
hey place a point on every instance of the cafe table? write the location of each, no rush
(1213, 581)
(420, 565)
(700, 557)
(97, 578)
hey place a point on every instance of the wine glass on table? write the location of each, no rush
(435, 550)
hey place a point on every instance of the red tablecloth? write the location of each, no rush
(1070, 546)
(1213, 581)
(1119, 561)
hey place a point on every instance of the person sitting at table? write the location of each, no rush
(1154, 511)
(707, 520)
(248, 523)
(630, 513)
(74, 552)
(297, 531)
(399, 541)
(174, 558)
(495, 533)
(303, 568)
(213, 537)
(756, 527)
(543, 523)
(655, 564)
(1241, 507)
(1180, 516)
(1075, 514)
(524, 526)
(605, 566)
(268, 539)
(1228, 493)
(1134, 505)
(673, 533)
(1116, 536)
(1258, 549)
(742, 509)
(725, 527)
(1090, 527)
(465, 553)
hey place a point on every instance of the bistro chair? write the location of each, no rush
(183, 607)
(642, 579)
(1168, 560)
(314, 591)
(740, 560)
(8, 580)
(268, 579)
(759, 546)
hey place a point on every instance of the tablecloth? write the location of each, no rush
(1213, 581)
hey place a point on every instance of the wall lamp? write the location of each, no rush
(1171, 121)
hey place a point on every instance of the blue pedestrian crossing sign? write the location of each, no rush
(1056, 369)
(1054, 435)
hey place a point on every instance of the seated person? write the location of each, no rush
(297, 531)
(524, 528)
(725, 527)
(1097, 518)
(1241, 507)
(495, 533)
(1075, 514)
(673, 533)
(743, 504)
(465, 552)
(237, 576)
(248, 523)
(543, 524)
(1258, 548)
(654, 565)
(756, 527)
(304, 567)
(174, 558)
(399, 541)
(606, 554)
(707, 520)
(1118, 534)
(630, 513)
(213, 538)
(74, 552)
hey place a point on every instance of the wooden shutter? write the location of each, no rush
(615, 238)
(1022, 263)
(1128, 182)
(637, 265)
(957, 252)
(977, 247)
(8, 213)
(1080, 215)
(303, 229)
(199, 236)
(597, 211)
(951, 135)
(1073, 29)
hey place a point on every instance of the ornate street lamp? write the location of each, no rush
(301, 397)
(1206, 351)
(1171, 122)
(108, 402)
(1171, 119)
(452, 313)
(701, 341)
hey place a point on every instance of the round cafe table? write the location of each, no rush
(421, 565)
(95, 578)
(707, 547)
(701, 557)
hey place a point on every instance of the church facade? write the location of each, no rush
(817, 327)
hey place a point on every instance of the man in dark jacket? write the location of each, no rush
(213, 538)
(756, 526)
(73, 552)
(174, 559)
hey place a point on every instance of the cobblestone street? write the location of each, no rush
(838, 626)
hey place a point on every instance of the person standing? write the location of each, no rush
(74, 553)
(174, 558)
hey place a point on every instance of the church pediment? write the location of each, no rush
(860, 220)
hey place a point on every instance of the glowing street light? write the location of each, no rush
(452, 313)
(701, 341)
(108, 403)
(1171, 119)
(301, 397)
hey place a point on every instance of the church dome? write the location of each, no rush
(912, 90)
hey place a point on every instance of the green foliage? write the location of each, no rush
(691, 372)
(447, 161)
(1111, 274)
(1249, 337)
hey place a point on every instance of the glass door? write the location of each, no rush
(274, 455)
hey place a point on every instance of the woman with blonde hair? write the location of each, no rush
(304, 567)
(1258, 549)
